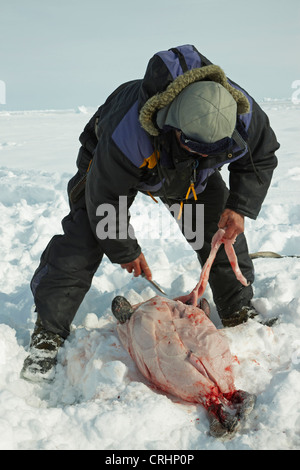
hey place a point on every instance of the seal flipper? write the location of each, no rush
(121, 308)
(204, 305)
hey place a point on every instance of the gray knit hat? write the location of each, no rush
(204, 111)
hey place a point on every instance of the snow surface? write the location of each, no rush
(99, 400)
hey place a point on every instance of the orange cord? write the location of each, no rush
(191, 188)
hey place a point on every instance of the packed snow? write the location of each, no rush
(98, 399)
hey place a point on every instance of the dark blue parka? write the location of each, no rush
(129, 156)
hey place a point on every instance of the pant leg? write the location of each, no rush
(228, 293)
(66, 269)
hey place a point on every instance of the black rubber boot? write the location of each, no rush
(40, 364)
(240, 316)
(244, 314)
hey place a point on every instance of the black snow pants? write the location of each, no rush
(70, 261)
(66, 269)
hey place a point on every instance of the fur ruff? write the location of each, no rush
(160, 100)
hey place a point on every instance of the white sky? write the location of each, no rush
(64, 53)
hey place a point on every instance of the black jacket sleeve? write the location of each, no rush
(247, 193)
(111, 176)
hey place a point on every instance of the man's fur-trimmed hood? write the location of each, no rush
(160, 100)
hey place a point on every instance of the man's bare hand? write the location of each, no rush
(138, 266)
(232, 223)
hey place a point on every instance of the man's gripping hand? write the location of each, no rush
(138, 266)
(232, 223)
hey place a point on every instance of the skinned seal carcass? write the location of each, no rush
(178, 349)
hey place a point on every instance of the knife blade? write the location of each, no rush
(154, 284)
